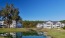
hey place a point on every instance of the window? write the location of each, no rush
(48, 23)
(58, 24)
(48, 26)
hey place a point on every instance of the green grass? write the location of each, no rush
(2, 37)
(55, 33)
(13, 30)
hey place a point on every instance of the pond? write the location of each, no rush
(24, 35)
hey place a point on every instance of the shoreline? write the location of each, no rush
(54, 33)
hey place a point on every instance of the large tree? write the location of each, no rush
(9, 13)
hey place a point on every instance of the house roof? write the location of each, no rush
(54, 22)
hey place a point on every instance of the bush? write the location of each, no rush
(64, 27)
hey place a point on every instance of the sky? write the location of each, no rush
(39, 9)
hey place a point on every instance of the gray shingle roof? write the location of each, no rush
(54, 22)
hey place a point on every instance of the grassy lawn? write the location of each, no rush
(13, 30)
(1, 37)
(56, 33)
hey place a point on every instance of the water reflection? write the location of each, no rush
(19, 35)
(40, 33)
(23, 35)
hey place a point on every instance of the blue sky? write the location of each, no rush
(39, 9)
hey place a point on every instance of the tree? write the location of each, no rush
(64, 27)
(9, 13)
(30, 24)
(63, 21)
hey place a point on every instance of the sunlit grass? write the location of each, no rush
(13, 29)
(55, 33)
(2, 37)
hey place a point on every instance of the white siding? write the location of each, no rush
(50, 25)
(39, 25)
(1, 22)
(13, 25)
(47, 26)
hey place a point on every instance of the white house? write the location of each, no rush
(1, 22)
(39, 25)
(13, 25)
(47, 24)
(50, 24)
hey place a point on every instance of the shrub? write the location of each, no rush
(64, 27)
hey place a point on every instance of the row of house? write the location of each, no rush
(13, 25)
(50, 24)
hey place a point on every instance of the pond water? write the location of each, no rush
(23, 35)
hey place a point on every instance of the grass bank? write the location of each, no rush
(13, 30)
(1, 37)
(55, 33)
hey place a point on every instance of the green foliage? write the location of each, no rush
(64, 27)
(9, 13)
(30, 24)
(63, 21)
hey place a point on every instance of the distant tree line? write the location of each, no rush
(62, 21)
(30, 24)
